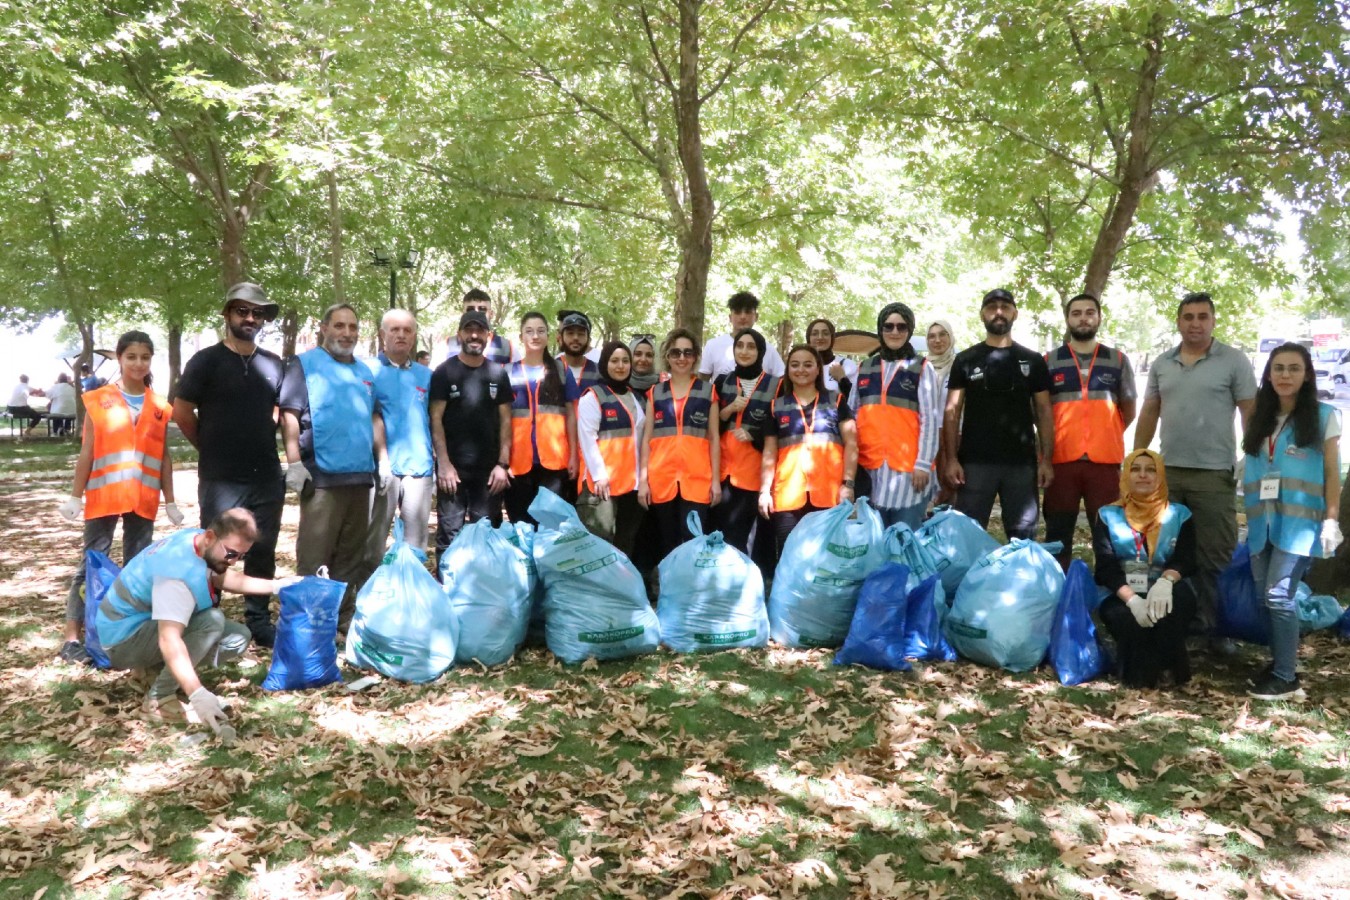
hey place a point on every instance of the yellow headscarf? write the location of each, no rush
(1144, 512)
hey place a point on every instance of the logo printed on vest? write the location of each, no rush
(660, 415)
(698, 417)
(909, 382)
(864, 382)
(1108, 379)
(1059, 378)
(611, 414)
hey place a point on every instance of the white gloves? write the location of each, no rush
(71, 508)
(384, 476)
(175, 516)
(1331, 537)
(207, 707)
(297, 476)
(1159, 600)
(1138, 605)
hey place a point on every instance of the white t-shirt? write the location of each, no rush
(588, 426)
(62, 397)
(850, 372)
(19, 396)
(718, 358)
(171, 600)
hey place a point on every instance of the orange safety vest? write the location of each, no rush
(680, 456)
(888, 414)
(124, 475)
(535, 424)
(617, 444)
(810, 465)
(1087, 417)
(741, 460)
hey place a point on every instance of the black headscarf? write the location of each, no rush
(826, 355)
(618, 387)
(755, 369)
(906, 350)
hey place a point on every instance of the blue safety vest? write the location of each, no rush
(341, 403)
(402, 393)
(573, 388)
(1127, 542)
(127, 605)
(1292, 521)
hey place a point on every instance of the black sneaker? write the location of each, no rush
(74, 652)
(1272, 687)
(264, 633)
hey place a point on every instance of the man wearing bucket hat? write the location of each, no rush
(225, 406)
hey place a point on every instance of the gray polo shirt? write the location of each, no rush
(1198, 402)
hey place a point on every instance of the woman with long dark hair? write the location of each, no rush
(543, 424)
(1292, 492)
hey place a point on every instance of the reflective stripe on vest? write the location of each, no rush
(573, 390)
(1123, 537)
(888, 414)
(741, 462)
(1293, 520)
(680, 460)
(616, 443)
(1087, 417)
(125, 473)
(810, 464)
(535, 424)
(127, 605)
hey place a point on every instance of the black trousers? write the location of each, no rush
(671, 519)
(784, 522)
(523, 489)
(265, 498)
(1143, 654)
(735, 516)
(469, 503)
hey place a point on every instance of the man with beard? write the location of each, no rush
(334, 437)
(401, 389)
(580, 373)
(226, 406)
(998, 406)
(161, 616)
(1092, 395)
(499, 350)
(471, 431)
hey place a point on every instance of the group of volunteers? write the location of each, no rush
(639, 434)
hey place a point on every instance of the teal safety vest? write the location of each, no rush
(127, 604)
(1292, 521)
(1127, 542)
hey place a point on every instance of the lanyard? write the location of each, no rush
(886, 382)
(758, 381)
(1086, 382)
(1139, 553)
(811, 422)
(1270, 442)
(679, 406)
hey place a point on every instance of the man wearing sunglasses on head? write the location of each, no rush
(226, 407)
(999, 430)
(499, 350)
(161, 616)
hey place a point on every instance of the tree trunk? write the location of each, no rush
(233, 259)
(290, 330)
(1136, 177)
(175, 338)
(86, 358)
(335, 237)
(696, 246)
(784, 337)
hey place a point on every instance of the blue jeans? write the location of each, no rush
(1277, 575)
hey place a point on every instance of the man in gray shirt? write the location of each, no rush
(1194, 388)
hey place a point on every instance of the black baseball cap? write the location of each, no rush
(474, 317)
(997, 295)
(575, 320)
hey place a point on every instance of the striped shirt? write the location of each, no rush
(895, 490)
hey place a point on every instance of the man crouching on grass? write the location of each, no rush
(161, 614)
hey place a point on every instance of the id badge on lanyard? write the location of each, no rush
(1270, 482)
(1136, 570)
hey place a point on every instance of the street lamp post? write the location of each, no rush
(380, 256)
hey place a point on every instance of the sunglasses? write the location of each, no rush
(894, 326)
(234, 555)
(678, 352)
(249, 312)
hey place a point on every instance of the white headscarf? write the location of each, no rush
(942, 362)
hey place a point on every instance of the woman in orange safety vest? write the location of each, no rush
(679, 472)
(810, 447)
(609, 422)
(543, 424)
(122, 469)
(744, 399)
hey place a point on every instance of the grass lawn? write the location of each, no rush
(742, 774)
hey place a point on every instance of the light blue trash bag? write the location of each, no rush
(489, 579)
(712, 596)
(404, 626)
(955, 542)
(595, 603)
(1005, 608)
(1315, 611)
(824, 563)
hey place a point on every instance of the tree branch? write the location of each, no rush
(540, 197)
(1116, 141)
(732, 62)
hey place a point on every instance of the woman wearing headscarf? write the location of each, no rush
(941, 355)
(745, 400)
(643, 349)
(898, 400)
(1145, 549)
(609, 423)
(840, 371)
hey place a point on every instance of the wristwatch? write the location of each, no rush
(848, 482)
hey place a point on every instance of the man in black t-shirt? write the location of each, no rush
(471, 431)
(225, 406)
(999, 431)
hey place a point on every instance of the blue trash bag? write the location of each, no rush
(712, 596)
(1241, 611)
(1074, 651)
(876, 637)
(1315, 611)
(1005, 607)
(1343, 626)
(925, 609)
(956, 542)
(99, 574)
(595, 602)
(404, 626)
(305, 652)
(824, 563)
(489, 579)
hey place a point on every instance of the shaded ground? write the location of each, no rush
(742, 774)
